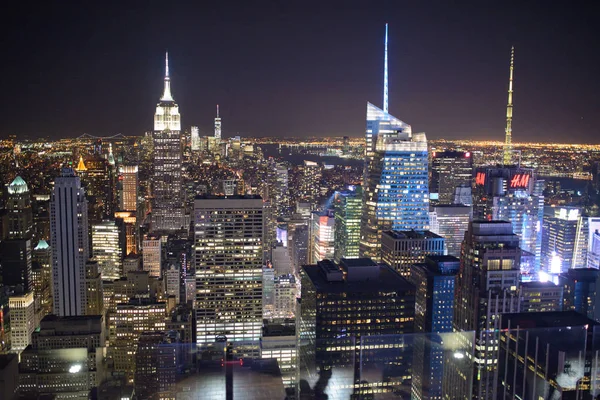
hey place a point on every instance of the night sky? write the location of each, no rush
(301, 69)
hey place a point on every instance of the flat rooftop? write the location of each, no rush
(412, 234)
(553, 319)
(385, 280)
(233, 197)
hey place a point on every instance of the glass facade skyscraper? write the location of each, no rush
(396, 192)
(347, 206)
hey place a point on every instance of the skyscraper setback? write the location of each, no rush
(167, 208)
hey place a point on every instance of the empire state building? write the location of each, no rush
(167, 207)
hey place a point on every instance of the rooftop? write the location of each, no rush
(553, 319)
(412, 234)
(385, 280)
(18, 186)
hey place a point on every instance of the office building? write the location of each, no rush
(167, 205)
(449, 170)
(451, 222)
(537, 296)
(396, 192)
(196, 144)
(94, 292)
(218, 125)
(347, 208)
(128, 229)
(128, 175)
(284, 296)
(95, 178)
(41, 268)
(228, 234)
(550, 355)
(65, 359)
(559, 232)
(107, 240)
(130, 321)
(278, 342)
(15, 264)
(581, 287)
(322, 236)
(281, 198)
(487, 286)
(152, 254)
(334, 318)
(594, 250)
(155, 366)
(22, 320)
(69, 244)
(434, 282)
(20, 215)
(172, 279)
(512, 194)
(401, 250)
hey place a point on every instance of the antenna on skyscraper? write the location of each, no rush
(217, 111)
(385, 72)
(509, 110)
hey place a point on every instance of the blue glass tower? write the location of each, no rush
(396, 192)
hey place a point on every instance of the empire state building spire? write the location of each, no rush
(509, 112)
(167, 91)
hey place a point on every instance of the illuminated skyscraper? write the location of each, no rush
(107, 248)
(20, 215)
(347, 206)
(22, 320)
(195, 138)
(167, 209)
(487, 285)
(129, 181)
(322, 236)
(396, 191)
(402, 249)
(512, 194)
(558, 239)
(152, 255)
(218, 125)
(451, 221)
(69, 244)
(228, 234)
(449, 170)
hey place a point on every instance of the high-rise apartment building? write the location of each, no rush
(487, 286)
(401, 250)
(107, 248)
(195, 139)
(512, 194)
(322, 236)
(22, 320)
(281, 198)
(93, 286)
(396, 192)
(228, 234)
(128, 174)
(449, 170)
(347, 207)
(451, 222)
(69, 244)
(167, 207)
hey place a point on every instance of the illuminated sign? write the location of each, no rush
(519, 181)
(480, 178)
(467, 154)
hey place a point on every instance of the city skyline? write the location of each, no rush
(448, 70)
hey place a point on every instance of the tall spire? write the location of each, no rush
(217, 111)
(385, 72)
(509, 112)
(167, 91)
